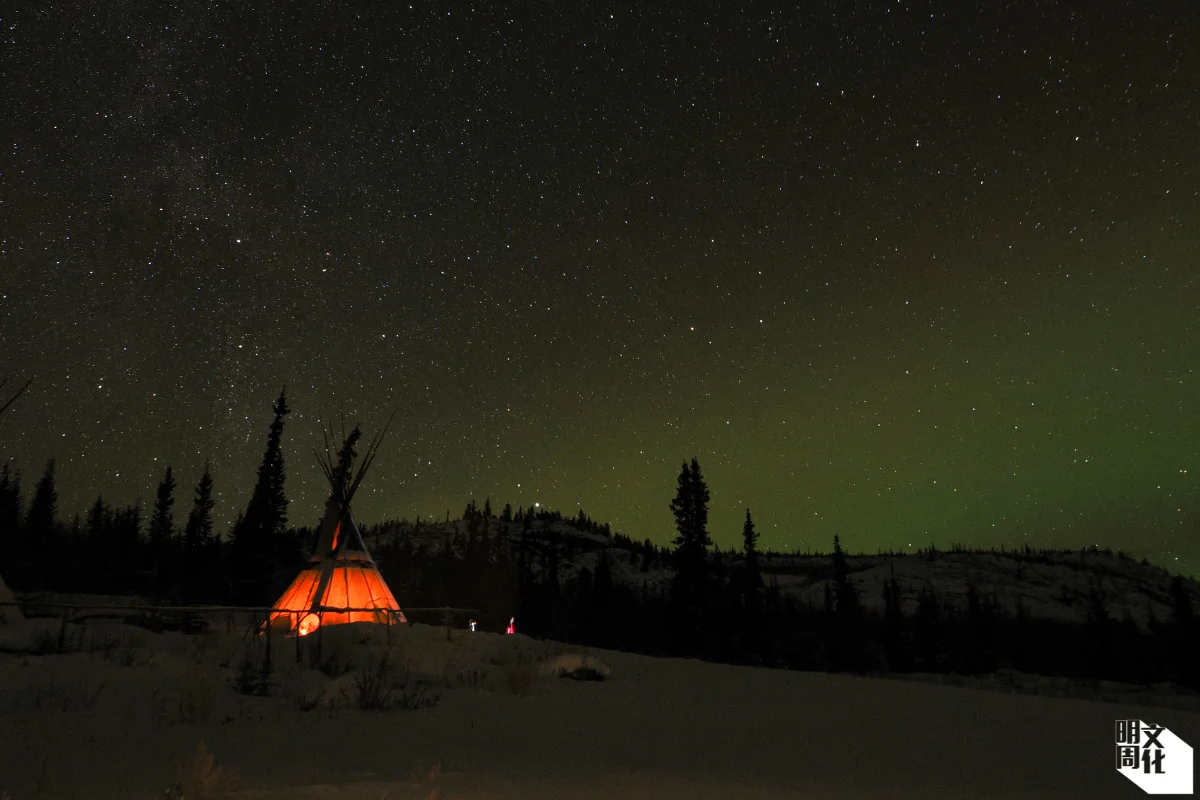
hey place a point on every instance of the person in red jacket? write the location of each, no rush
(512, 625)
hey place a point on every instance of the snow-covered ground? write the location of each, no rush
(124, 719)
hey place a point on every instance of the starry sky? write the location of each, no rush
(904, 272)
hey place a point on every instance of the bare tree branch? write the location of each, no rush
(12, 400)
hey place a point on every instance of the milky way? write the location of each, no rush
(905, 273)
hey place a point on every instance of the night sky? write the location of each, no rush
(904, 272)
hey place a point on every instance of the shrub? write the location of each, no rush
(253, 676)
(305, 688)
(306, 701)
(518, 672)
(577, 666)
(334, 665)
(585, 673)
(381, 687)
(122, 650)
(197, 698)
(200, 778)
(82, 694)
(373, 688)
(412, 694)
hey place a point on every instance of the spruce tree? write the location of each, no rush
(899, 658)
(98, 536)
(927, 631)
(125, 531)
(267, 510)
(259, 546)
(1182, 613)
(690, 508)
(842, 608)
(40, 531)
(199, 562)
(162, 532)
(750, 548)
(10, 511)
(1098, 632)
(44, 506)
(77, 566)
(199, 530)
(845, 595)
(1183, 634)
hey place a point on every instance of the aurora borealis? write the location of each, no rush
(906, 272)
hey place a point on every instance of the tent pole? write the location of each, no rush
(268, 666)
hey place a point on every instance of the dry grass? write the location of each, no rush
(200, 778)
(519, 670)
(116, 644)
(306, 700)
(43, 776)
(579, 666)
(253, 676)
(430, 777)
(200, 647)
(465, 677)
(429, 774)
(79, 695)
(197, 698)
(373, 689)
(383, 687)
(55, 636)
(305, 688)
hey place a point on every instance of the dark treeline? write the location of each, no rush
(717, 607)
(521, 562)
(169, 551)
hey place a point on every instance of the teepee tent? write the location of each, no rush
(341, 574)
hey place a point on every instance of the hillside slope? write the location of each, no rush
(1053, 585)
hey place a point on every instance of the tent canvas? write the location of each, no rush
(336, 579)
(341, 574)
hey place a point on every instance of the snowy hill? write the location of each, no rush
(1053, 585)
(576, 549)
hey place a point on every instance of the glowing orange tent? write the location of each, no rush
(341, 574)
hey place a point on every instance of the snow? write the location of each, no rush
(15, 633)
(1054, 586)
(123, 718)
